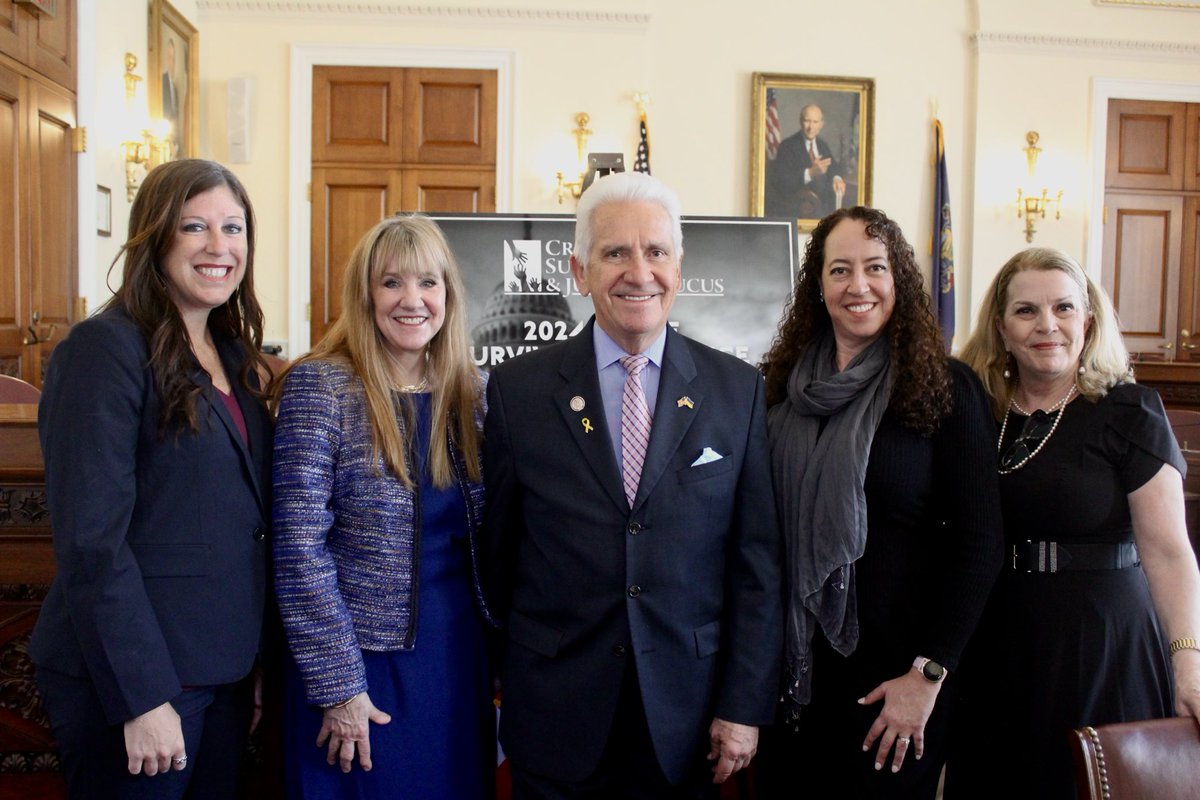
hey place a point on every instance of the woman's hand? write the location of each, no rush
(907, 703)
(154, 742)
(1187, 683)
(348, 727)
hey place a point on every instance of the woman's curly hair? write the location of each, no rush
(921, 395)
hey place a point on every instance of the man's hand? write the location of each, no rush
(154, 741)
(819, 166)
(348, 727)
(733, 745)
(839, 184)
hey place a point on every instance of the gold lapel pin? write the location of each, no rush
(577, 403)
(684, 401)
(587, 425)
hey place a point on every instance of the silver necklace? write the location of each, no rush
(1060, 407)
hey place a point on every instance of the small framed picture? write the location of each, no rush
(103, 211)
(810, 145)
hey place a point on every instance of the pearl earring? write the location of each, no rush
(1082, 369)
(1007, 373)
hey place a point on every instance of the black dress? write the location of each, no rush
(1057, 651)
(933, 550)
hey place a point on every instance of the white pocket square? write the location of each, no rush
(707, 457)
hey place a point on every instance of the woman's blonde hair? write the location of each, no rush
(1104, 359)
(408, 244)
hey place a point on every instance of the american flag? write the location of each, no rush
(642, 164)
(774, 134)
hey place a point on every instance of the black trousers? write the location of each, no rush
(628, 769)
(215, 722)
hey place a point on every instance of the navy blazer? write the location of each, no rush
(160, 542)
(687, 582)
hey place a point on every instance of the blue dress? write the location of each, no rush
(441, 740)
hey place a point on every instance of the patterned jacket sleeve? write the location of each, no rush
(319, 629)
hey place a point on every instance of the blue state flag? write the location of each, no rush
(942, 244)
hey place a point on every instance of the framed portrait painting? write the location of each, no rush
(174, 77)
(810, 145)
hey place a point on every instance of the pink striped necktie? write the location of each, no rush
(635, 424)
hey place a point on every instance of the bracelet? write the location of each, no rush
(1183, 643)
(347, 702)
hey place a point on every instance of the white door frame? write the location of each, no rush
(307, 56)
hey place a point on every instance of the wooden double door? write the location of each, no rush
(38, 239)
(1151, 256)
(387, 140)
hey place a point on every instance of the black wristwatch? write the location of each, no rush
(930, 670)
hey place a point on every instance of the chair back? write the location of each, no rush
(1158, 758)
(15, 390)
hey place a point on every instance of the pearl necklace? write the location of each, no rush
(1060, 407)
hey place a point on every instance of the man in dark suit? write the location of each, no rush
(804, 181)
(633, 547)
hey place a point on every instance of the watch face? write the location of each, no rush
(933, 671)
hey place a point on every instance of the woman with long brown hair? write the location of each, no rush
(157, 448)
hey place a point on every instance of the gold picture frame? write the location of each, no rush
(786, 179)
(174, 77)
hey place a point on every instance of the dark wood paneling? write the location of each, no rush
(451, 117)
(463, 191)
(1145, 145)
(357, 113)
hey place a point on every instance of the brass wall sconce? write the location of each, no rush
(582, 135)
(148, 146)
(1031, 205)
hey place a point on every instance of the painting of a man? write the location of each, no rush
(170, 98)
(815, 168)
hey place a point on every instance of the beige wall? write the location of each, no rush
(1033, 70)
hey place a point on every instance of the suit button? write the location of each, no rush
(259, 535)
(619, 650)
(635, 590)
(635, 528)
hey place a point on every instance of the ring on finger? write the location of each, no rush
(905, 739)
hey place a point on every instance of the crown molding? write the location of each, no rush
(988, 42)
(352, 11)
(1158, 5)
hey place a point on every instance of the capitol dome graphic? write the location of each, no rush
(505, 318)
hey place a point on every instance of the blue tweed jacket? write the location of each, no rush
(346, 535)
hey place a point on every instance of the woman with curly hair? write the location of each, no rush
(881, 451)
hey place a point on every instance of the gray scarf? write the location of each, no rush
(818, 475)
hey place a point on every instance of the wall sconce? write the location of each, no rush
(147, 146)
(582, 134)
(1031, 205)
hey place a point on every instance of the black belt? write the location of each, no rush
(1029, 556)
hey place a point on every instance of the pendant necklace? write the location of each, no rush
(1060, 407)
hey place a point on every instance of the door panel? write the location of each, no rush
(357, 113)
(52, 222)
(52, 44)
(1145, 145)
(451, 116)
(1140, 266)
(462, 191)
(346, 203)
(1189, 283)
(13, 39)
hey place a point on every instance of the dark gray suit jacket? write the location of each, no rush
(687, 583)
